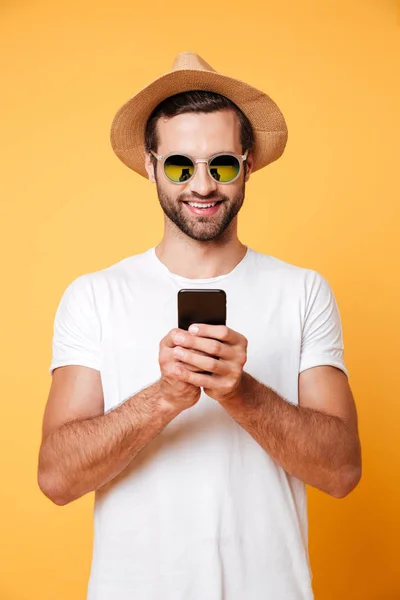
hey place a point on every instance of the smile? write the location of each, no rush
(203, 208)
(202, 204)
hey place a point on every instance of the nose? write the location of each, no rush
(201, 182)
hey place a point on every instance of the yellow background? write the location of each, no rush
(331, 203)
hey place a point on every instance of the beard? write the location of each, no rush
(202, 229)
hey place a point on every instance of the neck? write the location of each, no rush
(200, 260)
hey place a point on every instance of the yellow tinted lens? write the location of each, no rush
(224, 168)
(178, 168)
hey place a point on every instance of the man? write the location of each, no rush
(199, 478)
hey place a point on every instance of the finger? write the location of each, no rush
(176, 364)
(167, 360)
(193, 367)
(207, 346)
(219, 332)
(197, 379)
(172, 356)
(172, 338)
(187, 366)
(202, 362)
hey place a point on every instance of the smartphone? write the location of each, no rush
(201, 306)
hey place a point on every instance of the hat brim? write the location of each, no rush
(129, 123)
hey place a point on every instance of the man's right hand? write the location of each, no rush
(177, 393)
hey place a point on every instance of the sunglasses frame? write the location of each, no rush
(240, 157)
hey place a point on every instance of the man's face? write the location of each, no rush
(199, 135)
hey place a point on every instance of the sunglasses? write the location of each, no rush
(180, 168)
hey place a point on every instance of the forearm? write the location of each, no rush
(82, 456)
(313, 446)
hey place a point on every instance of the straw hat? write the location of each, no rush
(191, 72)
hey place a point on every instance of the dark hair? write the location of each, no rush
(196, 101)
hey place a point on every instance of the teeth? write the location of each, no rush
(202, 205)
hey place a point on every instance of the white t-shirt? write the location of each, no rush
(202, 512)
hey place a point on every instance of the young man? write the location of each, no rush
(199, 478)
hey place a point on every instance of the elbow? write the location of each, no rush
(49, 488)
(349, 475)
(346, 482)
(49, 481)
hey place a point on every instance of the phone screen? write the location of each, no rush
(201, 306)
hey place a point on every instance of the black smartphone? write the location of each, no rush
(201, 306)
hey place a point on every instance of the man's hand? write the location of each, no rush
(177, 393)
(214, 348)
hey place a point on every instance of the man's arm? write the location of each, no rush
(82, 448)
(84, 454)
(316, 441)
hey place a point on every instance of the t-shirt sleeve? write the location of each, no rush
(76, 331)
(322, 339)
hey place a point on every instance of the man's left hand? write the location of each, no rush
(225, 354)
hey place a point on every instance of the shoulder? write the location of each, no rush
(115, 274)
(103, 290)
(287, 273)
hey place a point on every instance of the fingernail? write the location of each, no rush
(193, 329)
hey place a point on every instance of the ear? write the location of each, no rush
(149, 167)
(249, 166)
